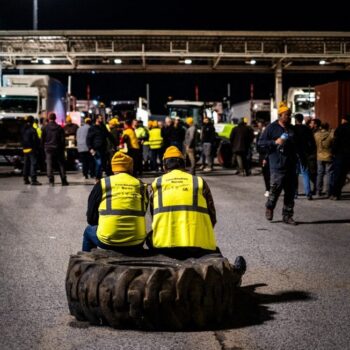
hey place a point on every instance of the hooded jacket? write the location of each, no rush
(53, 137)
(324, 142)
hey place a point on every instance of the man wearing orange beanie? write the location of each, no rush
(116, 210)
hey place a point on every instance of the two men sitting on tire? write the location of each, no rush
(181, 205)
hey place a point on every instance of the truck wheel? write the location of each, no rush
(151, 292)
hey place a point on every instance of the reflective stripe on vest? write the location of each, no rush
(122, 211)
(110, 211)
(193, 207)
(181, 216)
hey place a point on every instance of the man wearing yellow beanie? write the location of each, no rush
(183, 210)
(278, 142)
(116, 210)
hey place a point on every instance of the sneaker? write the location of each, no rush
(240, 265)
(289, 220)
(269, 214)
(65, 183)
(207, 170)
(266, 194)
(26, 182)
(36, 183)
(309, 197)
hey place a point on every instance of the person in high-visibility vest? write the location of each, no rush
(183, 213)
(183, 208)
(116, 210)
(155, 145)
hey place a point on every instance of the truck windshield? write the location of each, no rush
(304, 103)
(187, 111)
(18, 104)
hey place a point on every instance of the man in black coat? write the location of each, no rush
(53, 142)
(241, 139)
(31, 145)
(341, 151)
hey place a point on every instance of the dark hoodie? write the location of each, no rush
(52, 137)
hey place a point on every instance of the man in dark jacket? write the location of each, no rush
(306, 147)
(341, 151)
(54, 143)
(241, 139)
(31, 145)
(278, 142)
(97, 143)
(208, 137)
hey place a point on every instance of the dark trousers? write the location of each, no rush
(55, 156)
(100, 163)
(155, 154)
(325, 168)
(242, 159)
(192, 157)
(266, 174)
(29, 166)
(91, 241)
(88, 164)
(341, 169)
(282, 181)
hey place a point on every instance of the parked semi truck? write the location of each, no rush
(131, 108)
(22, 95)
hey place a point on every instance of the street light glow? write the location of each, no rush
(188, 61)
(118, 61)
(46, 61)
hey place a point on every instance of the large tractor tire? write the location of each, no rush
(151, 292)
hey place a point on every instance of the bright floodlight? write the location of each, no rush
(322, 62)
(252, 61)
(46, 61)
(188, 61)
(118, 61)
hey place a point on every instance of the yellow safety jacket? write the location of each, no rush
(122, 211)
(180, 212)
(134, 143)
(155, 138)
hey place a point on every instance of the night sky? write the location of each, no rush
(220, 15)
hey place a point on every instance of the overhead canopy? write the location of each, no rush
(174, 51)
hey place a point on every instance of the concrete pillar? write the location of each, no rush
(278, 84)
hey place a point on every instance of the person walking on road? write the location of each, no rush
(116, 210)
(53, 142)
(83, 149)
(278, 142)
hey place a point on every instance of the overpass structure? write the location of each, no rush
(169, 51)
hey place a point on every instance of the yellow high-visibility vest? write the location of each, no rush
(134, 143)
(180, 217)
(122, 211)
(155, 138)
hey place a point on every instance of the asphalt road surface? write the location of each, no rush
(297, 285)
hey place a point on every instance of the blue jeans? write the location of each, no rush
(304, 171)
(91, 241)
(325, 168)
(100, 164)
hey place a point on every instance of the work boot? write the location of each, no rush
(289, 220)
(26, 181)
(240, 265)
(36, 183)
(65, 182)
(269, 214)
(52, 181)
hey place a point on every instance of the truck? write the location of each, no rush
(23, 95)
(332, 102)
(131, 108)
(251, 110)
(302, 100)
